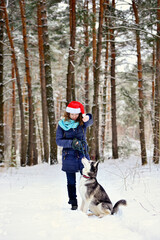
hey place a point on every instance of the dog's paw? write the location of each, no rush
(101, 215)
(90, 214)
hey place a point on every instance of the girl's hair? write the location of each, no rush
(79, 119)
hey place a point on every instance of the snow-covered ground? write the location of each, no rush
(33, 203)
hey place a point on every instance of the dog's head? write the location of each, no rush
(90, 168)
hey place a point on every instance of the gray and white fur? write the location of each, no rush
(94, 197)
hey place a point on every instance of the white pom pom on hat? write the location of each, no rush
(75, 108)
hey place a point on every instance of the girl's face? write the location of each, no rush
(74, 116)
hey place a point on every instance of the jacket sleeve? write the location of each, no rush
(90, 121)
(60, 140)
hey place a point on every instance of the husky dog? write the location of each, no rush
(94, 197)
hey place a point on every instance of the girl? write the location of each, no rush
(71, 135)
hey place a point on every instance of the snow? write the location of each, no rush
(34, 203)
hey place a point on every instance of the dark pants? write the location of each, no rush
(71, 186)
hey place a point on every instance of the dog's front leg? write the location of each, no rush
(86, 206)
(82, 206)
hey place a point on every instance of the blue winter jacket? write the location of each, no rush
(71, 159)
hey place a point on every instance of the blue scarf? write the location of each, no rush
(66, 125)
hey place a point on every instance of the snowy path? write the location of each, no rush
(34, 204)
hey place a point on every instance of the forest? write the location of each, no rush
(105, 54)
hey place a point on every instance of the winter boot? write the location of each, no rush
(72, 196)
(74, 204)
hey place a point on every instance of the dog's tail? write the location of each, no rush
(117, 204)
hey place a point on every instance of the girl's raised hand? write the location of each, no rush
(85, 118)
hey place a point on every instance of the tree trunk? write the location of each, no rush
(1, 86)
(40, 138)
(153, 72)
(86, 56)
(104, 101)
(153, 86)
(49, 88)
(13, 146)
(70, 94)
(140, 90)
(94, 48)
(32, 146)
(43, 87)
(94, 32)
(113, 88)
(156, 152)
(96, 73)
(23, 142)
(13, 162)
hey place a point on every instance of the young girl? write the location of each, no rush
(71, 135)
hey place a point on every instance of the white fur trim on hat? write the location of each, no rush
(73, 110)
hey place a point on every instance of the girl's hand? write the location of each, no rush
(85, 118)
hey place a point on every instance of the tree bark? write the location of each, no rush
(94, 32)
(70, 91)
(153, 86)
(94, 48)
(13, 162)
(86, 55)
(1, 86)
(153, 72)
(104, 104)
(113, 88)
(13, 146)
(140, 90)
(32, 157)
(156, 152)
(96, 74)
(43, 87)
(23, 141)
(49, 88)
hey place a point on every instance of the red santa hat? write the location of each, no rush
(75, 108)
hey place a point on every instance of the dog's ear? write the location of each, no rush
(96, 164)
